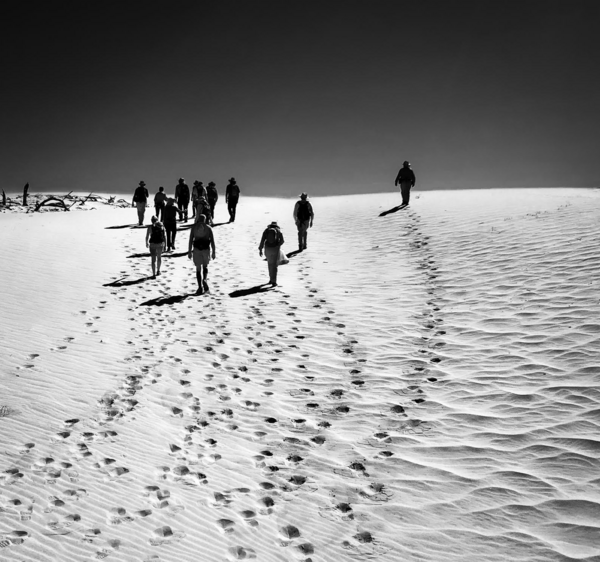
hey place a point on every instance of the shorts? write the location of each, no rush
(156, 249)
(201, 257)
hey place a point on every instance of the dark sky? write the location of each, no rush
(286, 95)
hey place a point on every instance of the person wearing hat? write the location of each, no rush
(271, 241)
(197, 192)
(212, 195)
(232, 195)
(406, 178)
(140, 198)
(170, 213)
(203, 208)
(156, 241)
(182, 196)
(303, 217)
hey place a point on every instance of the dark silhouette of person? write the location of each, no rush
(182, 196)
(232, 195)
(271, 241)
(156, 240)
(303, 217)
(203, 208)
(170, 213)
(406, 178)
(160, 199)
(202, 241)
(197, 192)
(140, 198)
(212, 196)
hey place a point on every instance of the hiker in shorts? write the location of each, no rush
(303, 217)
(160, 200)
(170, 213)
(156, 240)
(201, 245)
(406, 178)
(232, 195)
(212, 196)
(182, 196)
(140, 198)
(271, 241)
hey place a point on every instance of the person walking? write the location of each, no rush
(182, 196)
(160, 200)
(303, 217)
(202, 242)
(197, 192)
(156, 239)
(271, 241)
(232, 195)
(212, 195)
(406, 178)
(170, 213)
(203, 208)
(140, 198)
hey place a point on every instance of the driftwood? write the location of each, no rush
(57, 203)
(25, 190)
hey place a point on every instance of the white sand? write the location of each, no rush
(423, 386)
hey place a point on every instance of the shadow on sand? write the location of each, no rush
(163, 255)
(265, 287)
(133, 226)
(294, 253)
(122, 283)
(393, 210)
(159, 301)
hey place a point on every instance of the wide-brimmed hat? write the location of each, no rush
(231, 180)
(142, 183)
(211, 183)
(196, 182)
(274, 223)
(406, 163)
(303, 195)
(181, 179)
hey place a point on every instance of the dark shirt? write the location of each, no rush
(406, 175)
(170, 213)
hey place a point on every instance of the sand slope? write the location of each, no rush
(422, 386)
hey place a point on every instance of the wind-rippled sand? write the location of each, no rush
(423, 386)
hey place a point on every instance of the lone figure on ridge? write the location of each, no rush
(303, 217)
(406, 178)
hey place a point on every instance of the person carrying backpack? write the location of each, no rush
(140, 197)
(170, 213)
(232, 196)
(197, 192)
(182, 196)
(303, 217)
(212, 195)
(203, 208)
(271, 241)
(156, 240)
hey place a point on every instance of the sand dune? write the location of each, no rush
(423, 386)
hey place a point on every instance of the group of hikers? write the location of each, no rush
(160, 236)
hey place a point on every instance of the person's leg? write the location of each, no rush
(200, 280)
(304, 234)
(153, 261)
(141, 209)
(174, 236)
(205, 274)
(158, 260)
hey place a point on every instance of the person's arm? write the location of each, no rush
(414, 179)
(398, 177)
(148, 232)
(133, 201)
(227, 194)
(312, 215)
(191, 243)
(164, 232)
(262, 243)
(296, 211)
(212, 242)
(282, 238)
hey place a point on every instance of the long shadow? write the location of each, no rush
(265, 287)
(294, 253)
(124, 226)
(393, 210)
(163, 255)
(160, 301)
(220, 223)
(121, 283)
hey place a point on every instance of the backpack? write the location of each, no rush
(184, 192)
(303, 211)
(212, 192)
(157, 235)
(234, 190)
(140, 194)
(273, 237)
